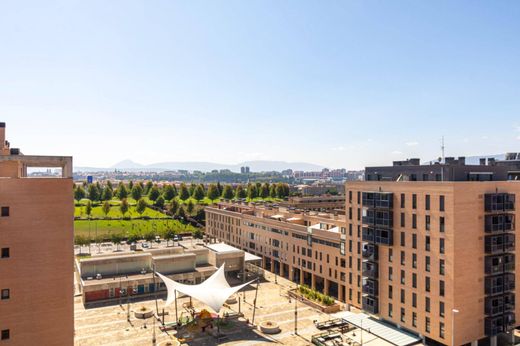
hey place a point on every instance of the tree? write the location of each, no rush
(168, 235)
(240, 192)
(189, 207)
(141, 206)
(174, 206)
(282, 190)
(79, 193)
(219, 188)
(124, 206)
(181, 213)
(252, 193)
(213, 192)
(198, 193)
(184, 193)
(154, 193)
(198, 234)
(130, 185)
(264, 190)
(137, 192)
(107, 193)
(148, 187)
(109, 184)
(93, 193)
(169, 193)
(272, 191)
(88, 209)
(106, 208)
(159, 202)
(192, 188)
(227, 192)
(149, 236)
(116, 239)
(122, 192)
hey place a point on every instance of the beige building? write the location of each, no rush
(422, 255)
(36, 245)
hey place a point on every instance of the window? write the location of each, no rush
(414, 260)
(390, 273)
(414, 280)
(403, 296)
(427, 304)
(5, 211)
(414, 221)
(350, 196)
(414, 241)
(427, 324)
(403, 258)
(427, 202)
(441, 224)
(441, 330)
(402, 315)
(414, 319)
(390, 291)
(441, 203)
(441, 267)
(427, 222)
(402, 200)
(402, 220)
(441, 309)
(5, 293)
(427, 260)
(441, 245)
(414, 300)
(390, 310)
(427, 283)
(5, 335)
(390, 255)
(441, 288)
(427, 243)
(402, 277)
(414, 201)
(403, 239)
(5, 252)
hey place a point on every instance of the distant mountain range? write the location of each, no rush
(254, 166)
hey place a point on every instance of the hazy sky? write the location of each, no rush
(338, 83)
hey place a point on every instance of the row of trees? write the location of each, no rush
(160, 194)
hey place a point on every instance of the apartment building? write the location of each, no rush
(306, 247)
(36, 243)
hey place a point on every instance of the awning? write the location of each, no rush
(249, 257)
(379, 329)
(213, 292)
(277, 216)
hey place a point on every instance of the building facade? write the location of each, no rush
(36, 243)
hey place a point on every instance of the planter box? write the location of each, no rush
(328, 309)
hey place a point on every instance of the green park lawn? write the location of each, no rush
(115, 213)
(105, 228)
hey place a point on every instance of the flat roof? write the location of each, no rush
(380, 329)
(222, 247)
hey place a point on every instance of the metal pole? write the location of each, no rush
(254, 302)
(153, 337)
(176, 311)
(361, 331)
(155, 291)
(453, 312)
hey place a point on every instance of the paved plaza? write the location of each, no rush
(108, 325)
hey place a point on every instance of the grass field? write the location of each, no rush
(115, 212)
(124, 227)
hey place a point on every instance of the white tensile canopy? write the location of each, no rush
(213, 292)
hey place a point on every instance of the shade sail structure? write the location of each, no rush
(213, 292)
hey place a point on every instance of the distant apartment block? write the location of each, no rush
(428, 248)
(36, 244)
(318, 203)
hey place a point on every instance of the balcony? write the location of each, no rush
(499, 202)
(509, 302)
(494, 306)
(499, 284)
(378, 200)
(494, 325)
(370, 270)
(370, 252)
(382, 218)
(509, 262)
(368, 234)
(499, 223)
(384, 237)
(370, 304)
(494, 264)
(370, 287)
(499, 243)
(509, 321)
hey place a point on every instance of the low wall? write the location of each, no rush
(328, 309)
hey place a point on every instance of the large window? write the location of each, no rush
(5, 211)
(5, 252)
(441, 203)
(5, 294)
(5, 335)
(427, 202)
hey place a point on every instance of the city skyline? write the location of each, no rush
(339, 85)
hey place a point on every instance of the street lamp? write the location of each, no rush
(453, 312)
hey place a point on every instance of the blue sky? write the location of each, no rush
(338, 83)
